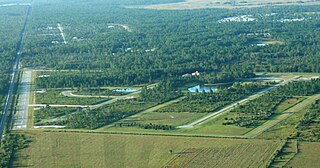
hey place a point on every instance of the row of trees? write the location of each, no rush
(146, 126)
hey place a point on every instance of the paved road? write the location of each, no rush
(15, 4)
(15, 71)
(23, 102)
(70, 94)
(62, 34)
(215, 114)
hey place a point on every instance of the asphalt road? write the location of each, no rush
(15, 72)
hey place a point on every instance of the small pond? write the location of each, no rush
(205, 88)
(127, 90)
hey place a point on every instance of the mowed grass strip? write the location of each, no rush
(65, 149)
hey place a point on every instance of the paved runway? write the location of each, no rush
(23, 102)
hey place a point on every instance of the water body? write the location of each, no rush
(127, 90)
(205, 88)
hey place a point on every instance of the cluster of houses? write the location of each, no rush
(292, 20)
(243, 18)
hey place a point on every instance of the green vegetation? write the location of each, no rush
(92, 119)
(308, 128)
(52, 112)
(261, 109)
(308, 155)
(53, 96)
(83, 47)
(134, 46)
(209, 102)
(99, 92)
(55, 149)
(169, 118)
(11, 22)
(10, 144)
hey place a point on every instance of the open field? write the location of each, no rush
(174, 119)
(308, 155)
(55, 149)
(288, 103)
(212, 127)
(200, 4)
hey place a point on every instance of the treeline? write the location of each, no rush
(146, 126)
(308, 126)
(203, 102)
(302, 88)
(10, 144)
(263, 107)
(162, 92)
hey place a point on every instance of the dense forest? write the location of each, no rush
(118, 46)
(11, 22)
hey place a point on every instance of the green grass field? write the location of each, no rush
(289, 103)
(175, 119)
(63, 149)
(213, 127)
